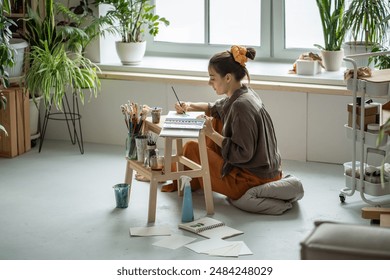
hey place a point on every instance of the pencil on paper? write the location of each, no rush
(178, 100)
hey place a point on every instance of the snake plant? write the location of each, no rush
(331, 13)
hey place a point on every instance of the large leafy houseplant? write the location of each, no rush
(132, 18)
(364, 19)
(52, 72)
(43, 30)
(6, 52)
(331, 14)
(52, 69)
(83, 19)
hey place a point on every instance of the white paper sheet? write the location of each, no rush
(235, 249)
(203, 246)
(174, 241)
(150, 231)
(219, 247)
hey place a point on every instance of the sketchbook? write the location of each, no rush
(179, 133)
(210, 228)
(189, 120)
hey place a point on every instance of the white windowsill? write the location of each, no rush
(196, 69)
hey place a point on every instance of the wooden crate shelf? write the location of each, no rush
(16, 120)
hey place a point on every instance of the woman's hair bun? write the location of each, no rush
(250, 53)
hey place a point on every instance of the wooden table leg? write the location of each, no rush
(385, 220)
(152, 200)
(208, 193)
(128, 173)
(179, 166)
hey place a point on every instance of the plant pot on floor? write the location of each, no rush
(130, 53)
(332, 59)
(34, 117)
(19, 45)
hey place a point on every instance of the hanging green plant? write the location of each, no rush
(53, 72)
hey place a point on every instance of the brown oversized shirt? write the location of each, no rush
(249, 135)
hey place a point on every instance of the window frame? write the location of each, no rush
(155, 48)
(280, 51)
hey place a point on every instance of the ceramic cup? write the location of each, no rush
(156, 114)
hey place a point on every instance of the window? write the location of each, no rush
(297, 27)
(226, 24)
(185, 27)
(203, 27)
(235, 24)
(302, 25)
(278, 29)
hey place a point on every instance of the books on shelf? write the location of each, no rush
(182, 125)
(210, 228)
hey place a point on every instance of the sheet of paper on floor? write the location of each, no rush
(237, 248)
(150, 231)
(209, 245)
(174, 241)
(233, 250)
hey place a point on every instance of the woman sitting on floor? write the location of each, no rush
(241, 143)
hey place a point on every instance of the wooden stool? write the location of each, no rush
(377, 213)
(196, 170)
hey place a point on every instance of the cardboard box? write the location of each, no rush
(369, 109)
(16, 120)
(367, 120)
(372, 114)
(385, 112)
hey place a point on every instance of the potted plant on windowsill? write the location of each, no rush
(331, 13)
(366, 27)
(131, 19)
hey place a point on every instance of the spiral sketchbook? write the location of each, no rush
(189, 120)
(210, 228)
(185, 125)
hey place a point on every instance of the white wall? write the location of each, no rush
(309, 127)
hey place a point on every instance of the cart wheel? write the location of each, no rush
(342, 197)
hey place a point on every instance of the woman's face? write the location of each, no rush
(218, 83)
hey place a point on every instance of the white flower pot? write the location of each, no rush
(332, 59)
(19, 45)
(358, 48)
(130, 53)
(34, 117)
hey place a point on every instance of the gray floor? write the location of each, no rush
(59, 204)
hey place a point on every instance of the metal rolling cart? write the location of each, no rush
(365, 143)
